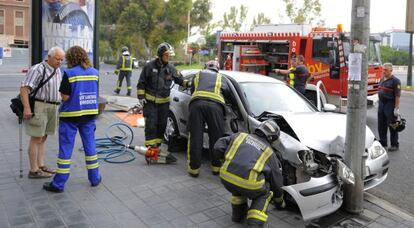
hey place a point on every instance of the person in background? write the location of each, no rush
(42, 121)
(153, 92)
(289, 72)
(251, 170)
(389, 94)
(124, 70)
(301, 74)
(79, 92)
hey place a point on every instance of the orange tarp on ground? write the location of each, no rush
(130, 119)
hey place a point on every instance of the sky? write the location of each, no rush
(385, 14)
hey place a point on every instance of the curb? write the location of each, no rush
(393, 209)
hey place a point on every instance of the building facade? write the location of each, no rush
(397, 39)
(14, 23)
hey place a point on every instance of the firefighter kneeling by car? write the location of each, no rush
(251, 170)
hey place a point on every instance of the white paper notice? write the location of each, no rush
(355, 65)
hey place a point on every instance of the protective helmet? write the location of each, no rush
(398, 125)
(268, 129)
(212, 65)
(124, 48)
(163, 48)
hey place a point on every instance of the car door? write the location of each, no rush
(180, 99)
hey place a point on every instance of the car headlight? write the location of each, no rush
(376, 150)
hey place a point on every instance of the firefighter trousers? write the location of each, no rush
(260, 199)
(204, 112)
(155, 122)
(67, 135)
(385, 117)
(121, 76)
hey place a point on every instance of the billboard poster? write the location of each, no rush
(66, 23)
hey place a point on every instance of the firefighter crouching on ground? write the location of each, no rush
(251, 170)
(208, 89)
(124, 70)
(154, 93)
(389, 107)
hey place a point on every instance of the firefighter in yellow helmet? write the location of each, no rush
(251, 170)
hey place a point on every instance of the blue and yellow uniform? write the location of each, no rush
(388, 90)
(78, 113)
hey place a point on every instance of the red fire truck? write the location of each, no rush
(325, 50)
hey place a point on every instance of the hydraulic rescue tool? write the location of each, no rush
(154, 154)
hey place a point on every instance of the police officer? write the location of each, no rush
(251, 170)
(208, 89)
(79, 91)
(124, 70)
(389, 106)
(154, 93)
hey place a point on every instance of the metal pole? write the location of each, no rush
(410, 62)
(96, 37)
(357, 103)
(21, 146)
(36, 32)
(188, 34)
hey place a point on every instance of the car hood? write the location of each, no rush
(323, 131)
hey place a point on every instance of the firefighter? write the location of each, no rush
(208, 89)
(389, 107)
(229, 62)
(124, 70)
(289, 72)
(300, 74)
(153, 92)
(251, 170)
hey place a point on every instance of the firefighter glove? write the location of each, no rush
(396, 112)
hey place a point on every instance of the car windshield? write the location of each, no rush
(265, 96)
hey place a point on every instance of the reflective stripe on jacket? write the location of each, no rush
(208, 84)
(246, 162)
(84, 92)
(126, 63)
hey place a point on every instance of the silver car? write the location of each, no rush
(311, 144)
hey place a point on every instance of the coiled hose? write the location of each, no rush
(113, 148)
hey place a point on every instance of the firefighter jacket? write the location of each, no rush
(124, 63)
(155, 81)
(209, 85)
(249, 162)
(291, 76)
(389, 88)
(83, 98)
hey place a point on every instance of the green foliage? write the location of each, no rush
(142, 25)
(189, 67)
(260, 19)
(200, 13)
(235, 18)
(391, 55)
(304, 11)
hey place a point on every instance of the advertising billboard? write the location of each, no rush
(66, 23)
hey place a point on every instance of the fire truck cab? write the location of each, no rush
(326, 52)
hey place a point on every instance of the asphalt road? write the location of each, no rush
(398, 187)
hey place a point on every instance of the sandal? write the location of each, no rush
(47, 169)
(38, 174)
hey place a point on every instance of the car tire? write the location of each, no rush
(172, 135)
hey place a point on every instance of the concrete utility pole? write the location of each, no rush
(409, 27)
(357, 103)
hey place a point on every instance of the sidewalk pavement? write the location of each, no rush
(139, 195)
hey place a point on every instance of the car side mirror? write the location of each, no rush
(329, 107)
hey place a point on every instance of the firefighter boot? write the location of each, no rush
(239, 212)
(128, 93)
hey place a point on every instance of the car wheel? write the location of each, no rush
(171, 130)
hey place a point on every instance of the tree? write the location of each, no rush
(308, 12)
(391, 55)
(233, 20)
(260, 19)
(200, 13)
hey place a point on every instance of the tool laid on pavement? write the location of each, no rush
(154, 155)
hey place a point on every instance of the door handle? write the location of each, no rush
(176, 99)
